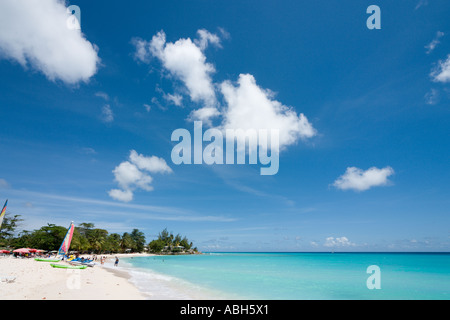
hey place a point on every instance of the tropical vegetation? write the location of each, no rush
(88, 239)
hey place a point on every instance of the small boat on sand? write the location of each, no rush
(63, 266)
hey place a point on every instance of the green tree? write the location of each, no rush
(97, 238)
(156, 246)
(79, 242)
(138, 240)
(126, 242)
(185, 243)
(112, 243)
(8, 229)
(48, 237)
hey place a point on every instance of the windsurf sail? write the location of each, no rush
(65, 245)
(2, 213)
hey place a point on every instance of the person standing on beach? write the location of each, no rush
(117, 262)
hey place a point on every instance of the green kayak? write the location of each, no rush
(47, 260)
(63, 266)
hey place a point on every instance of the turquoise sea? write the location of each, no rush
(288, 276)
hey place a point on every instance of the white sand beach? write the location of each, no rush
(38, 280)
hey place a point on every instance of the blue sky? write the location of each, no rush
(372, 175)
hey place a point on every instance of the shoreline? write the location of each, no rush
(39, 281)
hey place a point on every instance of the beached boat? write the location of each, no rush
(47, 260)
(79, 262)
(63, 249)
(63, 266)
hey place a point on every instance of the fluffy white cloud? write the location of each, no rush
(359, 180)
(204, 114)
(250, 107)
(184, 60)
(338, 242)
(121, 195)
(35, 33)
(129, 176)
(151, 164)
(132, 174)
(245, 105)
(442, 72)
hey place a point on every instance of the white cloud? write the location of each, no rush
(338, 242)
(142, 52)
(151, 164)
(131, 175)
(176, 99)
(432, 45)
(107, 114)
(121, 195)
(185, 61)
(35, 33)
(442, 72)
(359, 180)
(204, 114)
(102, 95)
(432, 97)
(245, 104)
(206, 37)
(250, 107)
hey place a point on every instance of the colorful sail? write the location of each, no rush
(64, 249)
(2, 213)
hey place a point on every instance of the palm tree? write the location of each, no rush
(97, 238)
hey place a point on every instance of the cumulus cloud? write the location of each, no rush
(151, 164)
(338, 242)
(128, 176)
(359, 180)
(442, 71)
(133, 174)
(238, 106)
(185, 61)
(248, 106)
(35, 33)
(121, 195)
(204, 114)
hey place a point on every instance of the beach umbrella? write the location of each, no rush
(4, 251)
(21, 250)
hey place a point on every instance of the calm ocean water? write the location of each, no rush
(288, 276)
